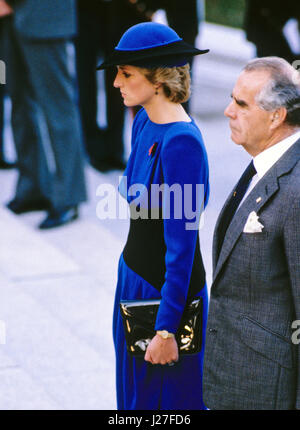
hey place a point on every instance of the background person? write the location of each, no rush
(101, 24)
(5, 10)
(4, 164)
(184, 17)
(41, 86)
(161, 257)
(264, 23)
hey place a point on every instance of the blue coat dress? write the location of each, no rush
(162, 259)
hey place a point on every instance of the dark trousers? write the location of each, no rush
(91, 45)
(45, 120)
(2, 94)
(184, 18)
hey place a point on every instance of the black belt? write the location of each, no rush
(145, 251)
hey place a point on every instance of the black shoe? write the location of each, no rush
(56, 218)
(23, 206)
(107, 165)
(5, 165)
(100, 165)
(117, 165)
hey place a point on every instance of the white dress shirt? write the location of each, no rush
(266, 159)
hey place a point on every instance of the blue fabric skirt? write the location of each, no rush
(142, 385)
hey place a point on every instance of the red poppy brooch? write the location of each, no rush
(152, 150)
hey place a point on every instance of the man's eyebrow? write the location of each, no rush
(239, 102)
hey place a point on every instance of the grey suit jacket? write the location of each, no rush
(250, 360)
(45, 19)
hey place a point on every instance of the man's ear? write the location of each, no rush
(278, 117)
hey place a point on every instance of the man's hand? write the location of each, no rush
(5, 9)
(162, 351)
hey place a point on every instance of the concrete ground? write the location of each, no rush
(57, 287)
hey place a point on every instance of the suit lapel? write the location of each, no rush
(255, 201)
(216, 236)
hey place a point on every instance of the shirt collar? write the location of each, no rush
(266, 159)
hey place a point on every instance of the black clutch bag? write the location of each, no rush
(139, 321)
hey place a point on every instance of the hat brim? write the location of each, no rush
(164, 55)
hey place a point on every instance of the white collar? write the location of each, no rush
(266, 159)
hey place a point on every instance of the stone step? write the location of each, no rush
(58, 343)
(24, 253)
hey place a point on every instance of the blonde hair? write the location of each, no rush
(175, 81)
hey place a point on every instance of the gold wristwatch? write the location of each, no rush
(165, 334)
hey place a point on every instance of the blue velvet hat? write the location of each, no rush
(150, 44)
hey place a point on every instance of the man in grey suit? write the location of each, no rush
(252, 358)
(45, 116)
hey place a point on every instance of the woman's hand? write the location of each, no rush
(162, 351)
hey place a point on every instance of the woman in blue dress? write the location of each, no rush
(166, 185)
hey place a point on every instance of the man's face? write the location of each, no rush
(249, 124)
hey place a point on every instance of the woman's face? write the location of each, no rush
(134, 86)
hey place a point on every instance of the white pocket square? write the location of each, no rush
(253, 225)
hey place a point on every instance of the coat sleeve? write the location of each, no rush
(292, 250)
(184, 163)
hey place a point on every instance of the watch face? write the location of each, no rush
(164, 334)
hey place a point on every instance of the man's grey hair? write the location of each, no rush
(283, 88)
